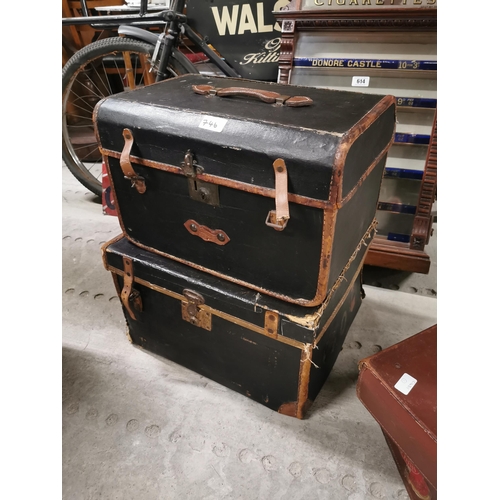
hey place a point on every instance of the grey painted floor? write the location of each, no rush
(136, 426)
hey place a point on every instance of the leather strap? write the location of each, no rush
(126, 165)
(278, 218)
(264, 95)
(281, 178)
(128, 280)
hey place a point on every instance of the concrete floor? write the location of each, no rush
(136, 426)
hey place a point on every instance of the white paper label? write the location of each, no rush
(215, 124)
(405, 384)
(360, 81)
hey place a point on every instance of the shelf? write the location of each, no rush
(386, 50)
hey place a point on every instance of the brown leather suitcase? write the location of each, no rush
(398, 386)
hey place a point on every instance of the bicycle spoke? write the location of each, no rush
(80, 99)
(89, 153)
(97, 166)
(93, 84)
(79, 116)
(147, 76)
(129, 72)
(86, 146)
(80, 125)
(137, 62)
(107, 80)
(121, 78)
(106, 68)
(106, 84)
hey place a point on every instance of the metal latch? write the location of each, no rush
(205, 192)
(130, 297)
(192, 312)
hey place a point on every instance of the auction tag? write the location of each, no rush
(215, 124)
(405, 384)
(360, 81)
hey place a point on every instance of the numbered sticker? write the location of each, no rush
(215, 124)
(405, 384)
(360, 81)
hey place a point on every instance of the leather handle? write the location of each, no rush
(263, 95)
(266, 96)
(217, 236)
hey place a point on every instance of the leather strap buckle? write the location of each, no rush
(278, 219)
(129, 296)
(137, 181)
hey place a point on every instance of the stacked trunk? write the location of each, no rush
(247, 209)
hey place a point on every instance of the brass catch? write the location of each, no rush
(189, 165)
(191, 311)
(199, 190)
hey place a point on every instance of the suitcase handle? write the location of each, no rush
(217, 236)
(263, 95)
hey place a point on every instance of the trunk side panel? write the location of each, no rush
(244, 361)
(156, 220)
(366, 148)
(330, 344)
(354, 218)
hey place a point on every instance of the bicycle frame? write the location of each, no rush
(177, 23)
(114, 21)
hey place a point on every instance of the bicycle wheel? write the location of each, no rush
(98, 70)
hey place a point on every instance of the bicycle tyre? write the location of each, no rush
(91, 74)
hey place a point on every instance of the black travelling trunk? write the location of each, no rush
(271, 195)
(277, 353)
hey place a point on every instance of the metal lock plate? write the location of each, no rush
(191, 311)
(204, 192)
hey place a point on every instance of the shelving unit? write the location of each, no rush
(381, 48)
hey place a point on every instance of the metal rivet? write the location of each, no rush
(193, 227)
(280, 169)
(221, 237)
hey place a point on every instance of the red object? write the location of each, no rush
(407, 415)
(108, 200)
(197, 57)
(415, 478)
